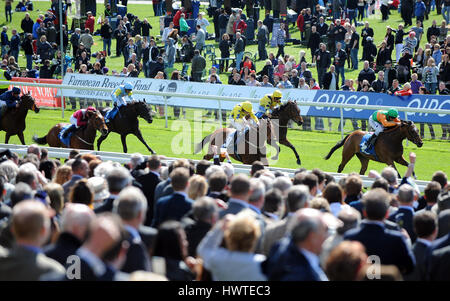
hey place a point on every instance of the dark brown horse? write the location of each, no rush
(280, 118)
(250, 149)
(83, 138)
(126, 122)
(13, 121)
(388, 147)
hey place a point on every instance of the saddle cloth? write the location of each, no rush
(371, 150)
(66, 140)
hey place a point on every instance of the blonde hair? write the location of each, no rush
(242, 233)
(62, 174)
(197, 187)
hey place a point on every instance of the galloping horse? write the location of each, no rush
(280, 118)
(249, 149)
(126, 122)
(388, 147)
(83, 138)
(13, 121)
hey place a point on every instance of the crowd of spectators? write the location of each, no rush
(152, 219)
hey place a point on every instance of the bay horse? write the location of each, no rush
(82, 138)
(250, 149)
(388, 146)
(13, 120)
(126, 122)
(280, 118)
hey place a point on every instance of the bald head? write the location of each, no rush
(76, 219)
(30, 223)
(350, 218)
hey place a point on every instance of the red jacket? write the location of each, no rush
(241, 26)
(300, 22)
(403, 93)
(176, 18)
(80, 115)
(90, 22)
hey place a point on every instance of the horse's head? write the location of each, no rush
(97, 121)
(412, 134)
(143, 110)
(28, 101)
(290, 110)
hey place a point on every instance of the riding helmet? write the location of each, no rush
(128, 86)
(247, 106)
(91, 109)
(16, 90)
(277, 94)
(393, 113)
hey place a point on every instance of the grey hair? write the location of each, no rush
(306, 221)
(118, 178)
(76, 215)
(406, 193)
(136, 159)
(297, 197)
(267, 181)
(257, 189)
(390, 174)
(228, 169)
(130, 203)
(9, 171)
(282, 183)
(211, 170)
(204, 208)
(350, 218)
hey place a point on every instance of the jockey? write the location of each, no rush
(268, 103)
(380, 120)
(78, 119)
(9, 99)
(238, 120)
(118, 96)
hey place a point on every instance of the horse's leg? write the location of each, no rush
(346, 156)
(391, 163)
(101, 139)
(21, 138)
(138, 134)
(364, 163)
(291, 146)
(123, 137)
(7, 136)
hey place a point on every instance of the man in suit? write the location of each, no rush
(239, 195)
(405, 213)
(217, 183)
(75, 222)
(322, 58)
(149, 182)
(31, 230)
(131, 206)
(262, 35)
(80, 170)
(330, 80)
(176, 205)
(296, 258)
(164, 188)
(205, 214)
(118, 178)
(431, 194)
(297, 198)
(390, 246)
(425, 227)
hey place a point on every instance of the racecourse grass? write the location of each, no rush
(311, 146)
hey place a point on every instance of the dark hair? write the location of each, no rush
(310, 180)
(168, 241)
(217, 181)
(353, 185)
(432, 191)
(440, 177)
(180, 178)
(240, 184)
(257, 165)
(21, 192)
(381, 183)
(376, 204)
(272, 200)
(320, 175)
(154, 162)
(425, 223)
(202, 166)
(47, 166)
(25, 176)
(333, 193)
(77, 164)
(82, 193)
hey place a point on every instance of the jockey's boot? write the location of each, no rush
(72, 128)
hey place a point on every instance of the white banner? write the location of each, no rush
(193, 88)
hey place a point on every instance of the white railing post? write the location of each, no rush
(220, 110)
(165, 111)
(342, 122)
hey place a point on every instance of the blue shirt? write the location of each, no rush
(10, 100)
(420, 9)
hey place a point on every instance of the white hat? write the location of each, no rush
(100, 188)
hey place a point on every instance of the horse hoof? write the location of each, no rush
(299, 162)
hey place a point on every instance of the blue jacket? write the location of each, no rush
(389, 245)
(171, 207)
(10, 100)
(404, 217)
(286, 263)
(420, 9)
(4, 39)
(15, 42)
(35, 28)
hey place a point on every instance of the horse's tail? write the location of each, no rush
(338, 145)
(199, 146)
(42, 140)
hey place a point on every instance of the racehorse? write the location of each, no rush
(13, 121)
(388, 147)
(126, 122)
(83, 138)
(249, 149)
(280, 118)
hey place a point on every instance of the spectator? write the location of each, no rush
(347, 262)
(87, 40)
(419, 10)
(330, 80)
(415, 84)
(198, 66)
(429, 76)
(262, 37)
(314, 40)
(118, 178)
(106, 34)
(200, 38)
(90, 22)
(322, 59)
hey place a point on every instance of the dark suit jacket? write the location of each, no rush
(195, 231)
(148, 236)
(389, 245)
(404, 217)
(287, 263)
(5, 210)
(137, 256)
(149, 182)
(22, 264)
(171, 207)
(66, 245)
(107, 206)
(420, 251)
(440, 265)
(69, 184)
(160, 188)
(233, 208)
(327, 78)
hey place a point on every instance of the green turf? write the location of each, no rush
(311, 146)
